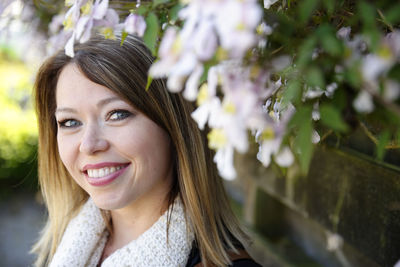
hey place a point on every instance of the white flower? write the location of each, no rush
(316, 115)
(192, 83)
(363, 103)
(391, 91)
(393, 41)
(284, 157)
(315, 112)
(69, 47)
(182, 54)
(202, 114)
(315, 138)
(217, 140)
(90, 12)
(135, 24)
(267, 149)
(57, 42)
(237, 31)
(205, 41)
(313, 92)
(330, 89)
(224, 160)
(268, 3)
(208, 103)
(270, 138)
(56, 24)
(344, 33)
(83, 16)
(333, 242)
(374, 65)
(178, 73)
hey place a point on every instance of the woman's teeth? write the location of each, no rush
(98, 173)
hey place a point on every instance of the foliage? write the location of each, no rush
(290, 72)
(18, 129)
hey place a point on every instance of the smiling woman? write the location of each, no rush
(118, 155)
(125, 172)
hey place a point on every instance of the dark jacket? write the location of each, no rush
(242, 260)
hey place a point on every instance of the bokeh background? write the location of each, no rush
(21, 214)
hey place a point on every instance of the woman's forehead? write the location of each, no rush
(73, 87)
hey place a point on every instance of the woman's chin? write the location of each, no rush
(107, 202)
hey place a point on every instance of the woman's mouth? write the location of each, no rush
(97, 175)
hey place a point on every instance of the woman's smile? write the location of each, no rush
(104, 173)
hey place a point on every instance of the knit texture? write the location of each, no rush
(85, 237)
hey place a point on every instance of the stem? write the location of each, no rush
(391, 145)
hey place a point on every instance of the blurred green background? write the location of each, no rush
(18, 127)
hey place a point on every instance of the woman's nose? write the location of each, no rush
(93, 141)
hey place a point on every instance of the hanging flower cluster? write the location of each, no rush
(374, 69)
(83, 16)
(209, 34)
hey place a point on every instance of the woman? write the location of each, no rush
(125, 172)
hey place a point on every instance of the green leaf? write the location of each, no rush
(301, 125)
(173, 12)
(159, 2)
(367, 15)
(383, 140)
(304, 145)
(340, 99)
(123, 37)
(306, 8)
(302, 115)
(329, 41)
(305, 51)
(353, 75)
(149, 81)
(204, 76)
(292, 93)
(332, 118)
(315, 77)
(329, 6)
(393, 14)
(142, 10)
(151, 33)
(394, 73)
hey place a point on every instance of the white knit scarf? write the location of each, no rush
(85, 237)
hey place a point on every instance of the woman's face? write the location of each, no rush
(115, 153)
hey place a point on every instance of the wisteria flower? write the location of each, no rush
(135, 24)
(269, 3)
(90, 12)
(363, 103)
(217, 140)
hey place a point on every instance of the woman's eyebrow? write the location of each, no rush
(107, 101)
(101, 103)
(68, 110)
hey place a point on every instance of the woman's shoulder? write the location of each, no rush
(241, 259)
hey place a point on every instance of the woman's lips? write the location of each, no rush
(106, 179)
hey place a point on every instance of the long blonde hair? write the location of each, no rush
(123, 69)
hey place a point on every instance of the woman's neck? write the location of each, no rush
(130, 222)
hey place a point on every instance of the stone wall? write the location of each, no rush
(345, 212)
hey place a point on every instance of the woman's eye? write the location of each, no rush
(69, 123)
(117, 115)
